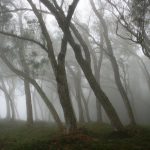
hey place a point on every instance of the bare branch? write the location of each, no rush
(24, 38)
(23, 9)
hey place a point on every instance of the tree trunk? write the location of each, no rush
(38, 88)
(86, 107)
(8, 115)
(77, 84)
(26, 70)
(59, 70)
(85, 65)
(28, 102)
(78, 95)
(122, 90)
(114, 64)
(63, 90)
(101, 96)
(34, 105)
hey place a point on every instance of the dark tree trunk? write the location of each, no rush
(101, 96)
(85, 65)
(63, 90)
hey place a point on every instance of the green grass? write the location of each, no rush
(43, 136)
(18, 136)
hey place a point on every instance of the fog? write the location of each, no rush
(103, 62)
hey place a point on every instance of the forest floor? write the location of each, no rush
(43, 136)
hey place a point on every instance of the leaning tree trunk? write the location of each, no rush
(39, 90)
(101, 96)
(97, 63)
(59, 70)
(122, 90)
(86, 68)
(114, 64)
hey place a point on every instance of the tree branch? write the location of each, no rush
(24, 38)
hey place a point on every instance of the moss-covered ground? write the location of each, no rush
(43, 136)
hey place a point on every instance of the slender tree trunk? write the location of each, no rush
(12, 109)
(97, 63)
(40, 107)
(39, 90)
(86, 107)
(63, 90)
(34, 105)
(28, 102)
(77, 83)
(78, 95)
(98, 104)
(122, 90)
(8, 114)
(114, 64)
(12, 101)
(49, 105)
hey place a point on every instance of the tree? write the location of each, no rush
(84, 63)
(59, 66)
(114, 64)
(135, 19)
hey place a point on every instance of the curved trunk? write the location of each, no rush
(85, 65)
(114, 64)
(59, 68)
